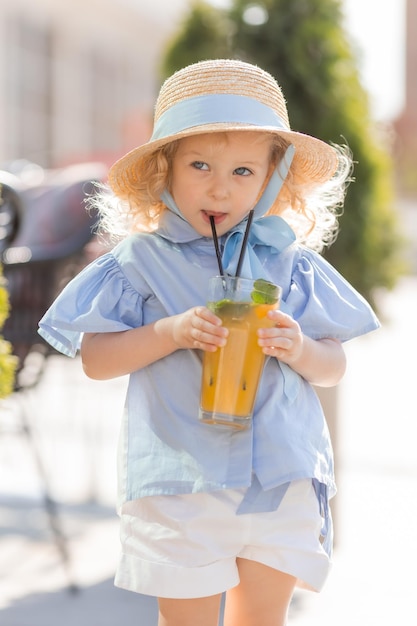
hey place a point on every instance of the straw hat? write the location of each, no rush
(224, 95)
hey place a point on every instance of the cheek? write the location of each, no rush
(249, 194)
(177, 185)
(182, 191)
(185, 194)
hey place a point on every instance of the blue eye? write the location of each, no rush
(242, 171)
(199, 165)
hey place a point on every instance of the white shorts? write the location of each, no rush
(185, 546)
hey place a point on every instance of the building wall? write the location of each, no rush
(406, 124)
(411, 57)
(77, 79)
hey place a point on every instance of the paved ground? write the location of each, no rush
(76, 424)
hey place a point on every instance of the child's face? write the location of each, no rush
(219, 174)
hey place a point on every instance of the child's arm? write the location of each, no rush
(108, 355)
(321, 362)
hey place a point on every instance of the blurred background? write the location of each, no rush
(78, 84)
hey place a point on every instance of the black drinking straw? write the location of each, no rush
(244, 243)
(216, 245)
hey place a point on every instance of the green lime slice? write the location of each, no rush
(217, 306)
(229, 308)
(264, 292)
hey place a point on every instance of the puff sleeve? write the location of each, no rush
(324, 303)
(99, 299)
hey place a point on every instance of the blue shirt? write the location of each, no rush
(164, 448)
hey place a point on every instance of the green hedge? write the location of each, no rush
(8, 362)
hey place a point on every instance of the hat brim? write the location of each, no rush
(315, 161)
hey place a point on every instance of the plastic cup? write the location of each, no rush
(231, 375)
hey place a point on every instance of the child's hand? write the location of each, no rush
(199, 328)
(284, 340)
(320, 361)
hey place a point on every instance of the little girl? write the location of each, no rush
(207, 509)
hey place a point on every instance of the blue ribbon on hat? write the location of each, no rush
(216, 109)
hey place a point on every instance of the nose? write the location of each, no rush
(219, 188)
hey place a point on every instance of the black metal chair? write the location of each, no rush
(43, 247)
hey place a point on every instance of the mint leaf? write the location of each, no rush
(229, 308)
(264, 292)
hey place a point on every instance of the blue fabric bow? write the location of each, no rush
(270, 230)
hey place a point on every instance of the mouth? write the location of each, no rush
(217, 217)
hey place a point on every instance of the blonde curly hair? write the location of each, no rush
(311, 209)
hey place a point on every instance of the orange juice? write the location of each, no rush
(231, 374)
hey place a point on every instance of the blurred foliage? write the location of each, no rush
(304, 45)
(8, 362)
